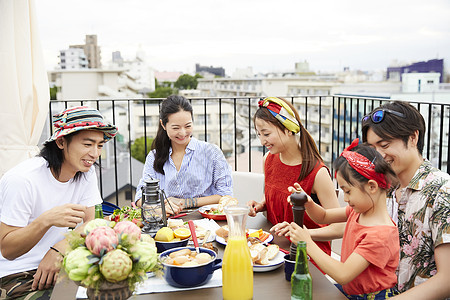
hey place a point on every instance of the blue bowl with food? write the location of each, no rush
(183, 267)
(163, 246)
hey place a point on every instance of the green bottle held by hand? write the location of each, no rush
(301, 282)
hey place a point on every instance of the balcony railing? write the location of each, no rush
(333, 121)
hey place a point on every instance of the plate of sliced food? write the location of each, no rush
(216, 211)
(266, 257)
(253, 236)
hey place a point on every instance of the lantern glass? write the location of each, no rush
(153, 208)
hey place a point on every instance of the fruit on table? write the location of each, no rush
(182, 233)
(116, 265)
(100, 238)
(165, 234)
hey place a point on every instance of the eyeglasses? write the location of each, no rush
(378, 115)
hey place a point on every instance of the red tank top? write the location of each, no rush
(278, 177)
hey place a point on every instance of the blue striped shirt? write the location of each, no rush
(203, 172)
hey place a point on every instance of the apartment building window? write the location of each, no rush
(148, 121)
(325, 113)
(227, 137)
(201, 137)
(200, 119)
(225, 119)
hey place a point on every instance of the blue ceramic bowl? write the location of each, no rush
(289, 267)
(179, 276)
(163, 246)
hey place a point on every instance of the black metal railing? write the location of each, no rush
(333, 121)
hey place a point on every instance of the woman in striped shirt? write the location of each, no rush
(192, 173)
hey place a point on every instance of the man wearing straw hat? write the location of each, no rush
(44, 196)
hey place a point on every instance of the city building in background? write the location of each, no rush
(204, 71)
(431, 66)
(72, 58)
(93, 84)
(91, 50)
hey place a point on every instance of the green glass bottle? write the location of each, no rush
(98, 211)
(301, 282)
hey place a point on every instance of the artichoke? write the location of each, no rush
(76, 263)
(147, 238)
(145, 253)
(129, 231)
(116, 265)
(94, 224)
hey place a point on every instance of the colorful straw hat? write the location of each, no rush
(80, 118)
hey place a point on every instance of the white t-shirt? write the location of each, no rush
(28, 190)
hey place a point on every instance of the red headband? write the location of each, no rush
(364, 166)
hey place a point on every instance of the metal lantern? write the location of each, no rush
(153, 208)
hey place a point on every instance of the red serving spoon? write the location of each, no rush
(194, 235)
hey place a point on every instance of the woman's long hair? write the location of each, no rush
(310, 154)
(161, 144)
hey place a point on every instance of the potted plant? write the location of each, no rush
(110, 258)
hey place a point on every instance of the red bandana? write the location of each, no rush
(364, 166)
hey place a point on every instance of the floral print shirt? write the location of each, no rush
(423, 223)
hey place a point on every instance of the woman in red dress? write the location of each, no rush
(292, 157)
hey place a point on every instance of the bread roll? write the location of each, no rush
(223, 232)
(226, 201)
(255, 255)
(263, 260)
(272, 251)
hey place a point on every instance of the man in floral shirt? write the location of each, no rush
(420, 204)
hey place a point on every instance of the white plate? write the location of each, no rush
(222, 241)
(207, 224)
(274, 263)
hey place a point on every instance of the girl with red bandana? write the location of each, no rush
(370, 245)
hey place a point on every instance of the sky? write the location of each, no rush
(268, 36)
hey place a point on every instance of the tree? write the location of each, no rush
(186, 82)
(161, 91)
(138, 149)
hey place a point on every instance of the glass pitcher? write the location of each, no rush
(237, 266)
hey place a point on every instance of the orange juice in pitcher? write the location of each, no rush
(237, 267)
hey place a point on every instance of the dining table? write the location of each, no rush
(266, 285)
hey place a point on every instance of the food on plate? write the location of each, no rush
(182, 233)
(226, 201)
(186, 257)
(127, 213)
(261, 254)
(175, 223)
(257, 236)
(223, 202)
(177, 230)
(165, 234)
(210, 246)
(223, 232)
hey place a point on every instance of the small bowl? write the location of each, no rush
(163, 246)
(180, 276)
(289, 266)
